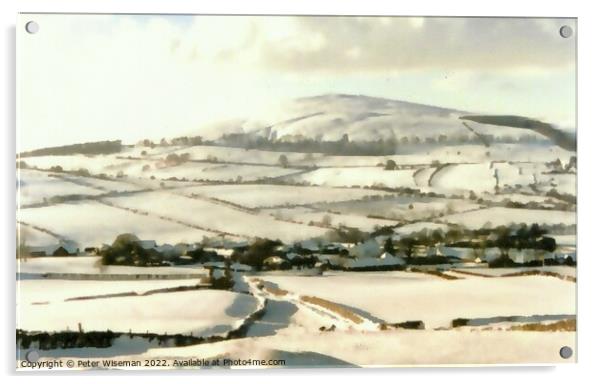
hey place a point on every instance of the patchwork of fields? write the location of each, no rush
(217, 195)
(240, 193)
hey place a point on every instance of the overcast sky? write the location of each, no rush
(85, 78)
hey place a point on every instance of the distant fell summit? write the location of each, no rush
(361, 119)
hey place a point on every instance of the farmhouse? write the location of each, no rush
(238, 267)
(147, 244)
(290, 256)
(308, 246)
(223, 243)
(460, 253)
(565, 253)
(383, 262)
(221, 252)
(525, 255)
(64, 248)
(334, 260)
(334, 248)
(41, 250)
(63, 251)
(276, 262)
(169, 250)
(491, 254)
(370, 248)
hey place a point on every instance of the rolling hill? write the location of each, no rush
(361, 119)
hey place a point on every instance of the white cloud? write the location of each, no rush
(419, 43)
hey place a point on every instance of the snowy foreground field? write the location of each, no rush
(91, 265)
(338, 319)
(385, 349)
(396, 297)
(196, 312)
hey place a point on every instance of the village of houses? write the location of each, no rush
(371, 254)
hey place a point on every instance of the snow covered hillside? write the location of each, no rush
(335, 117)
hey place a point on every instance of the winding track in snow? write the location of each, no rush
(330, 317)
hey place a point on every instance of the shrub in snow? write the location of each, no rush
(221, 278)
(256, 253)
(391, 165)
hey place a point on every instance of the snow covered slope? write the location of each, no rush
(335, 117)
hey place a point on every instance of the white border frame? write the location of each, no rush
(589, 65)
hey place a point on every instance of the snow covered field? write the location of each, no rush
(522, 174)
(217, 217)
(409, 229)
(565, 239)
(463, 153)
(358, 176)
(559, 269)
(386, 349)
(114, 165)
(38, 187)
(504, 216)
(105, 185)
(291, 333)
(197, 312)
(402, 207)
(52, 291)
(404, 296)
(519, 198)
(262, 196)
(74, 221)
(464, 177)
(90, 265)
(98, 164)
(233, 155)
(220, 172)
(34, 237)
(308, 215)
(563, 183)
